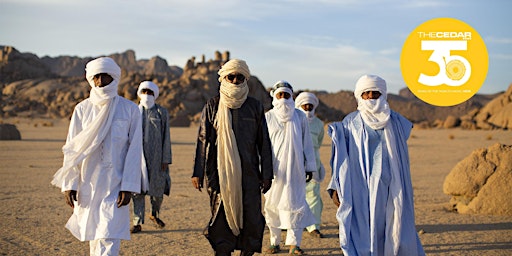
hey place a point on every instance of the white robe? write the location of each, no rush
(285, 202)
(376, 212)
(113, 167)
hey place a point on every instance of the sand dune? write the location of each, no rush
(34, 212)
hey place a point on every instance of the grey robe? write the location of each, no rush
(157, 148)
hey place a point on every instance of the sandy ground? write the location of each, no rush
(34, 212)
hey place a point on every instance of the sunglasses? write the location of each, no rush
(239, 77)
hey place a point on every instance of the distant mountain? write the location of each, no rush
(51, 86)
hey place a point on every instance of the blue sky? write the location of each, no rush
(318, 45)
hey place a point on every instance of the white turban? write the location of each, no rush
(148, 85)
(102, 65)
(306, 98)
(370, 83)
(101, 95)
(283, 108)
(375, 112)
(234, 65)
(281, 86)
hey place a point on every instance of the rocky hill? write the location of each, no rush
(51, 87)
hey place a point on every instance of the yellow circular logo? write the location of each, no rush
(444, 62)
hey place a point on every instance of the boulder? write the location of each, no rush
(480, 183)
(451, 122)
(9, 132)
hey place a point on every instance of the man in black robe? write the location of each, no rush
(234, 156)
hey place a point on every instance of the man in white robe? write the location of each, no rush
(102, 161)
(293, 160)
(371, 180)
(307, 102)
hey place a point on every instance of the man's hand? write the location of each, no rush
(70, 196)
(335, 198)
(123, 198)
(309, 176)
(164, 166)
(197, 183)
(265, 185)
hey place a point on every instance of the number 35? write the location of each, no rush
(454, 70)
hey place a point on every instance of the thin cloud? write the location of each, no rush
(498, 40)
(419, 4)
(501, 56)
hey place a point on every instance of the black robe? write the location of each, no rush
(254, 146)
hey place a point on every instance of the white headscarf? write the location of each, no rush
(229, 164)
(284, 108)
(88, 140)
(307, 98)
(146, 100)
(375, 112)
(101, 95)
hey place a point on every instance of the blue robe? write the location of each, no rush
(363, 178)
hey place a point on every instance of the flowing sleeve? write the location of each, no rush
(75, 127)
(410, 243)
(166, 150)
(340, 181)
(320, 168)
(333, 183)
(264, 146)
(309, 149)
(132, 162)
(201, 145)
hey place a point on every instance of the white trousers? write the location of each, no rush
(105, 247)
(293, 236)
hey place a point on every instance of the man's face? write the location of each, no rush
(235, 78)
(307, 107)
(147, 91)
(281, 95)
(102, 79)
(370, 95)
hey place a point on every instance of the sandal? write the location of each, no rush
(135, 229)
(296, 251)
(273, 249)
(158, 222)
(316, 233)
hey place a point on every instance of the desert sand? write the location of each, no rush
(34, 212)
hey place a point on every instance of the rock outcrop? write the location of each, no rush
(52, 86)
(182, 92)
(15, 66)
(497, 113)
(480, 183)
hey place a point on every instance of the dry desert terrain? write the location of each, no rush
(34, 212)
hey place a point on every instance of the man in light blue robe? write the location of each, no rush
(371, 182)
